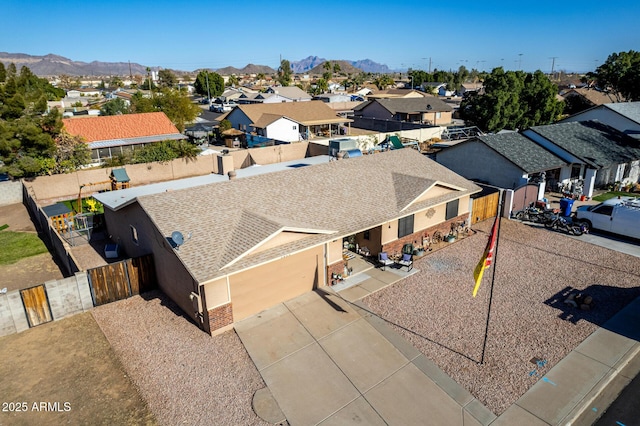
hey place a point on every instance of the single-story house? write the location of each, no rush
(599, 154)
(425, 109)
(395, 93)
(587, 154)
(249, 243)
(275, 95)
(589, 95)
(507, 160)
(287, 121)
(622, 116)
(113, 135)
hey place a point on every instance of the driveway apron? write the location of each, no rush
(327, 362)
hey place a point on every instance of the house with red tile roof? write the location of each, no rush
(113, 135)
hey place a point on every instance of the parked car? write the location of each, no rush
(228, 106)
(620, 217)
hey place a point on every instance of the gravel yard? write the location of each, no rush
(536, 268)
(185, 375)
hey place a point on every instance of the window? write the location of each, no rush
(367, 235)
(134, 234)
(452, 209)
(405, 226)
(575, 171)
(604, 210)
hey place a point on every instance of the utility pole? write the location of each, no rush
(553, 63)
(520, 61)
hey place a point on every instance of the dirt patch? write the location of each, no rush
(17, 217)
(68, 369)
(29, 272)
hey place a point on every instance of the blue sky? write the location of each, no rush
(188, 35)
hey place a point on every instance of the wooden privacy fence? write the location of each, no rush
(485, 205)
(120, 280)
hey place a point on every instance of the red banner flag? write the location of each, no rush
(487, 257)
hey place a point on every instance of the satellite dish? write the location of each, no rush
(177, 238)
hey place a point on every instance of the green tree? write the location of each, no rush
(284, 73)
(383, 81)
(215, 84)
(173, 102)
(321, 86)
(328, 71)
(620, 75)
(512, 100)
(115, 106)
(71, 153)
(165, 151)
(3, 73)
(224, 125)
(12, 72)
(336, 68)
(232, 81)
(166, 78)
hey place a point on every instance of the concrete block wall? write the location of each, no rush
(10, 193)
(68, 296)
(13, 318)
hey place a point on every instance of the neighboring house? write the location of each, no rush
(433, 87)
(232, 94)
(599, 154)
(253, 242)
(425, 109)
(333, 97)
(469, 88)
(622, 116)
(290, 93)
(76, 93)
(110, 136)
(589, 96)
(287, 121)
(507, 160)
(396, 93)
(589, 154)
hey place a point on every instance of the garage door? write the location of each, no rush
(265, 286)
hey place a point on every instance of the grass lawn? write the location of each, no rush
(611, 194)
(18, 245)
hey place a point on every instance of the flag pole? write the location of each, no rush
(493, 277)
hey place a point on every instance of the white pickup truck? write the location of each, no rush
(616, 216)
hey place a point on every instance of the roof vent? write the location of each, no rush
(429, 107)
(231, 174)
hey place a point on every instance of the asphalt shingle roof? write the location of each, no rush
(522, 152)
(413, 105)
(306, 113)
(330, 200)
(595, 143)
(630, 110)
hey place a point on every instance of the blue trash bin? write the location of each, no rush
(566, 204)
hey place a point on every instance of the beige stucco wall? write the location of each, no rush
(430, 217)
(262, 287)
(389, 232)
(216, 293)
(334, 251)
(279, 153)
(173, 278)
(66, 186)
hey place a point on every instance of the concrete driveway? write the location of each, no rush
(327, 361)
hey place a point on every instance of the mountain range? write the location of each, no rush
(50, 65)
(313, 65)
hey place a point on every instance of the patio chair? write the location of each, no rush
(407, 261)
(384, 260)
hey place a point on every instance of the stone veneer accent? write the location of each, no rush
(444, 228)
(220, 317)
